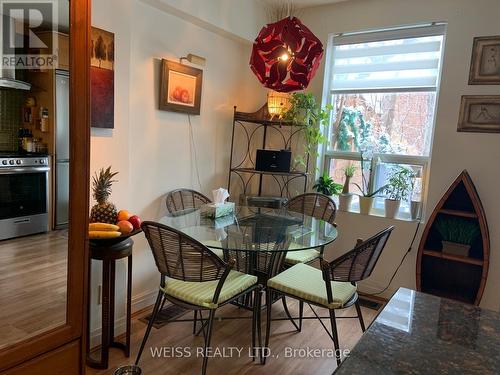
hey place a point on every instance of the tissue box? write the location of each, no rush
(215, 211)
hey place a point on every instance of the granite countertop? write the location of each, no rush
(417, 333)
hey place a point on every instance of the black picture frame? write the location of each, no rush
(180, 88)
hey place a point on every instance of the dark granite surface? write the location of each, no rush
(418, 333)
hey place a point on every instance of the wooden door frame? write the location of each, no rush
(74, 329)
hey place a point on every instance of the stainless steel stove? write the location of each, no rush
(24, 195)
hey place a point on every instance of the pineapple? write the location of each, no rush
(103, 211)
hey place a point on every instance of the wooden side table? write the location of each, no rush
(108, 254)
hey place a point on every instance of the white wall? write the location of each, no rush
(239, 19)
(452, 152)
(151, 148)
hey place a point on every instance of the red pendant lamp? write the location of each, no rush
(286, 55)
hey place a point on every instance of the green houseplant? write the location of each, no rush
(399, 187)
(345, 197)
(457, 234)
(326, 185)
(366, 189)
(305, 112)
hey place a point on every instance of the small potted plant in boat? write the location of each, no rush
(400, 186)
(326, 185)
(345, 197)
(457, 235)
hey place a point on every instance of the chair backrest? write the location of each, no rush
(181, 257)
(317, 205)
(357, 264)
(262, 251)
(182, 199)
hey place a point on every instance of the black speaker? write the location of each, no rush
(273, 161)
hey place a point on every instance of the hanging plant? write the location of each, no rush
(306, 113)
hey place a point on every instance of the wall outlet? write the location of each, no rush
(99, 295)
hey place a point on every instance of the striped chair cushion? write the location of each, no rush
(307, 283)
(202, 293)
(300, 256)
(215, 246)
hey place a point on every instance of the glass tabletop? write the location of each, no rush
(251, 226)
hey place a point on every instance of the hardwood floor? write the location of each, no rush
(237, 334)
(33, 278)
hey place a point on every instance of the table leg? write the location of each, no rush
(129, 305)
(89, 359)
(112, 281)
(106, 312)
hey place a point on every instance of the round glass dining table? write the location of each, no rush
(250, 227)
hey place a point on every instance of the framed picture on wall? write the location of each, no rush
(485, 64)
(480, 114)
(180, 88)
(102, 79)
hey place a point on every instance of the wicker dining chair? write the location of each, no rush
(193, 277)
(333, 287)
(182, 199)
(319, 206)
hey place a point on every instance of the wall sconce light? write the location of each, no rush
(277, 103)
(194, 59)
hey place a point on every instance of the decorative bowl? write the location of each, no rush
(113, 241)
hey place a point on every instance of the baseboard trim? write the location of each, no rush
(140, 303)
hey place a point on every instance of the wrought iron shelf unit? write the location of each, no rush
(253, 129)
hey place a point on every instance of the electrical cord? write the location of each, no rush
(400, 264)
(193, 147)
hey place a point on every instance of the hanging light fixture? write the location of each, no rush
(286, 55)
(277, 103)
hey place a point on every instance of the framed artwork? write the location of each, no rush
(485, 64)
(480, 114)
(102, 79)
(180, 88)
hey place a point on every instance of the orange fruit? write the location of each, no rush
(123, 215)
(125, 226)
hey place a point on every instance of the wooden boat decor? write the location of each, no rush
(447, 272)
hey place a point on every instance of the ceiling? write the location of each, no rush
(305, 3)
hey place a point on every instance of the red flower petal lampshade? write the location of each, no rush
(286, 55)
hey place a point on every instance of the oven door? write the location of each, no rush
(23, 192)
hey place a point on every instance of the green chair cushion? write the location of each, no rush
(307, 283)
(202, 293)
(215, 246)
(301, 256)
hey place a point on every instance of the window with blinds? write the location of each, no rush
(383, 88)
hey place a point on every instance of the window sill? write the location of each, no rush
(379, 212)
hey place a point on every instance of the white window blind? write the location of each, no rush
(387, 61)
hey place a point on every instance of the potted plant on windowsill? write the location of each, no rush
(457, 235)
(367, 193)
(326, 185)
(345, 198)
(400, 186)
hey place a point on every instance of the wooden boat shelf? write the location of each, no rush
(468, 214)
(455, 258)
(458, 277)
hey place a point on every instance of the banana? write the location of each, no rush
(103, 234)
(103, 227)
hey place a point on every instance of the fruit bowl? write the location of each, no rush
(113, 241)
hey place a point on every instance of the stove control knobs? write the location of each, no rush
(4, 162)
(42, 161)
(18, 162)
(11, 162)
